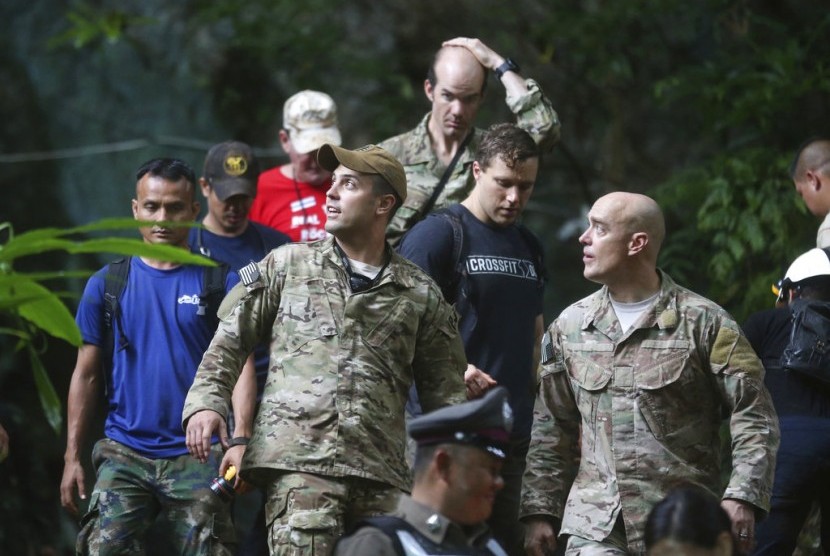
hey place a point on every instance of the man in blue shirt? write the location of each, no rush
(145, 476)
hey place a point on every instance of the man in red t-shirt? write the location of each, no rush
(291, 198)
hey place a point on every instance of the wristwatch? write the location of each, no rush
(508, 65)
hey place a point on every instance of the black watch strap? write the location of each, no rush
(508, 65)
(238, 441)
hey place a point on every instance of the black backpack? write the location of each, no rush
(808, 351)
(115, 280)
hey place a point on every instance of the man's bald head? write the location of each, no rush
(810, 171)
(620, 246)
(458, 64)
(637, 213)
(814, 155)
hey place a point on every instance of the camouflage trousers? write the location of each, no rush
(154, 506)
(306, 513)
(614, 544)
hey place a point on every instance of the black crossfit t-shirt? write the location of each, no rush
(506, 297)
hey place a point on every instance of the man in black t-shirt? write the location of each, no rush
(490, 267)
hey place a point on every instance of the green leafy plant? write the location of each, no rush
(34, 311)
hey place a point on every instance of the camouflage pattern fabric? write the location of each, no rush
(341, 363)
(577, 546)
(169, 498)
(306, 514)
(622, 417)
(534, 113)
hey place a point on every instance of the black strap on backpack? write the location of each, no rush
(213, 291)
(115, 280)
(445, 177)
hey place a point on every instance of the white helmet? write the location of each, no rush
(814, 262)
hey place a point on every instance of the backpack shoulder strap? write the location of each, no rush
(115, 280)
(213, 291)
(537, 252)
(458, 268)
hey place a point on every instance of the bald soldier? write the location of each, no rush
(810, 172)
(438, 154)
(635, 381)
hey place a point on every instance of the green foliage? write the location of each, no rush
(88, 25)
(747, 227)
(33, 309)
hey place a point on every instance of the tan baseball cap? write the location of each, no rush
(310, 118)
(370, 159)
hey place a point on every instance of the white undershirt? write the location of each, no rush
(365, 269)
(628, 313)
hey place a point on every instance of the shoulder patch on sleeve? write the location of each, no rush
(722, 347)
(249, 275)
(731, 349)
(450, 325)
(547, 348)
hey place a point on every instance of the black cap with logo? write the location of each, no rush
(231, 169)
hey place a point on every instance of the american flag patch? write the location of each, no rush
(249, 274)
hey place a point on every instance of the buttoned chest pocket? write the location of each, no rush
(304, 313)
(589, 367)
(676, 398)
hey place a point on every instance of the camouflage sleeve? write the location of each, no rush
(553, 457)
(535, 114)
(245, 314)
(753, 423)
(440, 361)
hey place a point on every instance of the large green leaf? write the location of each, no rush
(41, 307)
(46, 392)
(139, 248)
(51, 239)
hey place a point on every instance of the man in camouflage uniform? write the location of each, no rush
(635, 381)
(455, 87)
(350, 325)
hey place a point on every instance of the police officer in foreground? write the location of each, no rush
(457, 467)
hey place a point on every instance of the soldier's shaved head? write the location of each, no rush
(637, 213)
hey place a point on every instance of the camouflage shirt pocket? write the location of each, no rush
(394, 323)
(675, 400)
(304, 313)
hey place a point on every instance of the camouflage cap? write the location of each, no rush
(370, 159)
(310, 118)
(231, 169)
(484, 423)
